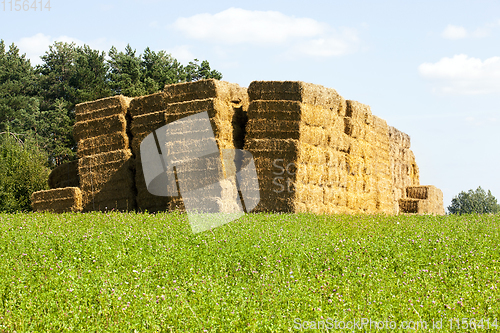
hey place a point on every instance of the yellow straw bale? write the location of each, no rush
(101, 108)
(103, 144)
(58, 200)
(203, 89)
(297, 91)
(65, 175)
(147, 104)
(92, 128)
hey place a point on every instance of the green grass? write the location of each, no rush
(262, 273)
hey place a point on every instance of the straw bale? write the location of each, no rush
(102, 108)
(222, 116)
(58, 200)
(311, 196)
(418, 206)
(92, 128)
(152, 203)
(312, 154)
(147, 123)
(338, 140)
(307, 93)
(203, 89)
(110, 173)
(215, 107)
(334, 196)
(429, 193)
(418, 192)
(312, 173)
(146, 200)
(147, 104)
(380, 126)
(358, 129)
(409, 205)
(274, 111)
(261, 129)
(263, 125)
(253, 145)
(102, 144)
(111, 160)
(65, 175)
(359, 112)
(399, 138)
(314, 135)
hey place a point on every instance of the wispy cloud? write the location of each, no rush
(454, 32)
(269, 28)
(462, 74)
(182, 53)
(36, 45)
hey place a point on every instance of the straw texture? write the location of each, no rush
(60, 200)
(65, 175)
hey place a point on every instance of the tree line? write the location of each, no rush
(37, 102)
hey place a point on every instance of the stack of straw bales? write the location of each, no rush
(315, 151)
(59, 200)
(295, 132)
(105, 159)
(404, 169)
(369, 180)
(65, 175)
(422, 200)
(226, 104)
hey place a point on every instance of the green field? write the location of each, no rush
(121, 272)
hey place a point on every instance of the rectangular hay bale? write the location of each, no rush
(93, 128)
(102, 144)
(65, 175)
(203, 89)
(58, 200)
(147, 104)
(102, 108)
(297, 91)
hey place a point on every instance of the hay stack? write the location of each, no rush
(101, 126)
(422, 200)
(338, 150)
(58, 200)
(226, 104)
(369, 180)
(107, 181)
(105, 162)
(65, 175)
(289, 132)
(404, 169)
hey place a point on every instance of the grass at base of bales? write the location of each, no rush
(120, 272)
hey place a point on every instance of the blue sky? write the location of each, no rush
(430, 68)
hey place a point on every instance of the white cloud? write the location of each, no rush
(36, 46)
(463, 75)
(454, 32)
(458, 32)
(340, 44)
(268, 28)
(182, 53)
